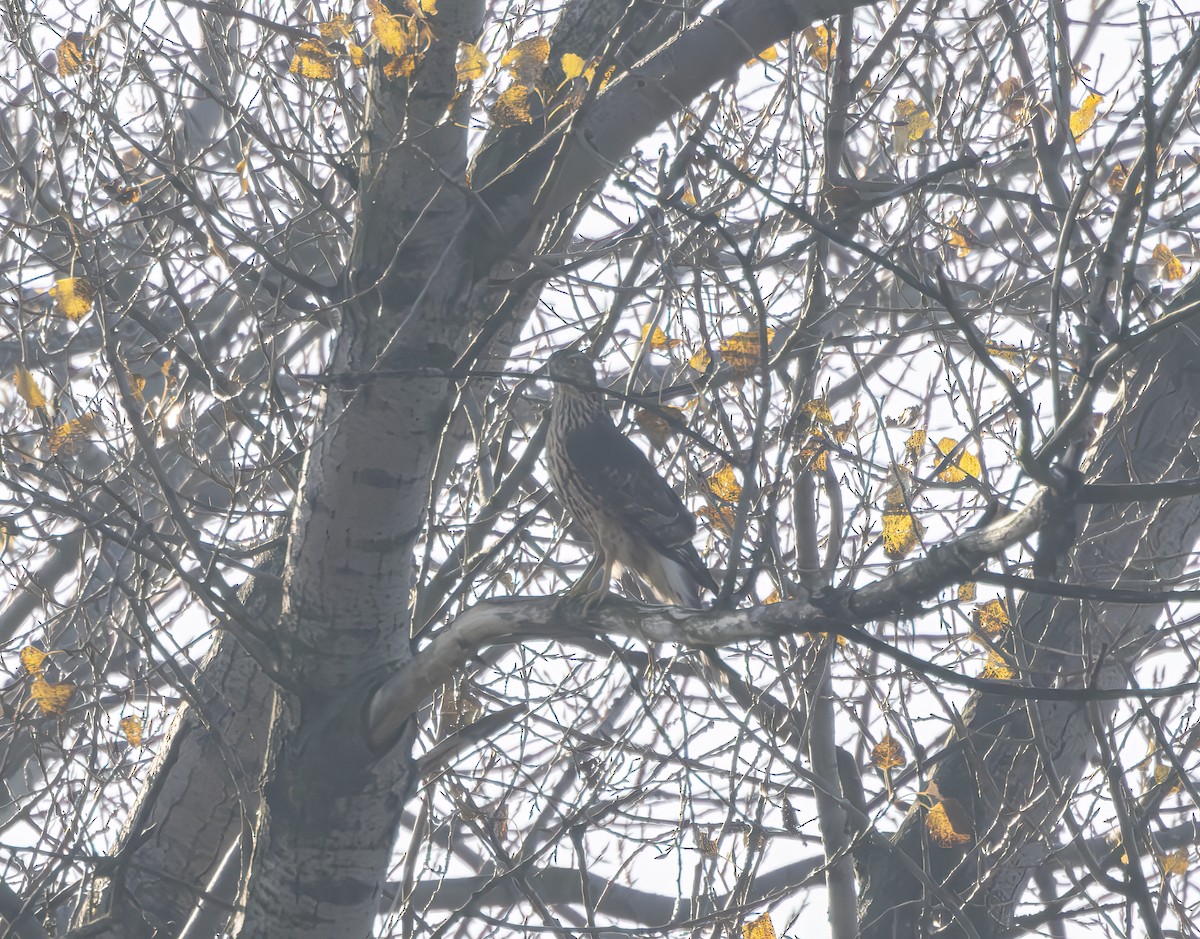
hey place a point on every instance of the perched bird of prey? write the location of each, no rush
(636, 520)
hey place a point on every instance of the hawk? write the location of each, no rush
(636, 521)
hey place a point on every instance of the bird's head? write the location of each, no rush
(572, 367)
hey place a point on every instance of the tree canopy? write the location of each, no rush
(901, 299)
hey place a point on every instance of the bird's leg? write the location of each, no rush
(583, 584)
(599, 590)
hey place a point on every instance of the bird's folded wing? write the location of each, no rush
(627, 485)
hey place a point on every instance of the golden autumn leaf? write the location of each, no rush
(401, 66)
(966, 592)
(743, 351)
(313, 61)
(720, 517)
(1001, 350)
(949, 824)
(960, 467)
(1175, 863)
(996, 667)
(131, 730)
(1166, 265)
(358, 55)
(700, 360)
(71, 53)
(572, 65)
(914, 445)
(689, 196)
(1014, 103)
(527, 58)
(910, 126)
(33, 659)
(472, 63)
(1117, 178)
(65, 439)
(122, 194)
(7, 533)
(339, 27)
(888, 754)
(512, 107)
(961, 237)
(724, 485)
(654, 423)
(396, 33)
(73, 296)
(1082, 119)
(760, 928)
(814, 457)
(772, 597)
(901, 533)
(51, 697)
(818, 410)
(658, 339)
(27, 388)
(991, 619)
(820, 45)
(769, 54)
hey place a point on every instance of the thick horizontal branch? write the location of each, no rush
(842, 613)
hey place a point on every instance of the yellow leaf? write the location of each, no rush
(1117, 178)
(760, 928)
(71, 53)
(51, 697)
(66, 438)
(396, 33)
(312, 61)
(658, 339)
(400, 66)
(772, 597)
(818, 410)
(33, 659)
(689, 196)
(428, 7)
(527, 59)
(901, 533)
(1014, 103)
(512, 107)
(131, 728)
(1001, 350)
(991, 619)
(914, 444)
(1166, 265)
(337, 28)
(1082, 119)
(1176, 863)
(996, 667)
(7, 531)
(73, 296)
(700, 361)
(949, 824)
(358, 55)
(910, 126)
(769, 54)
(958, 237)
(719, 517)
(964, 465)
(743, 351)
(724, 485)
(888, 754)
(814, 457)
(27, 388)
(472, 63)
(966, 592)
(820, 45)
(572, 65)
(655, 424)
